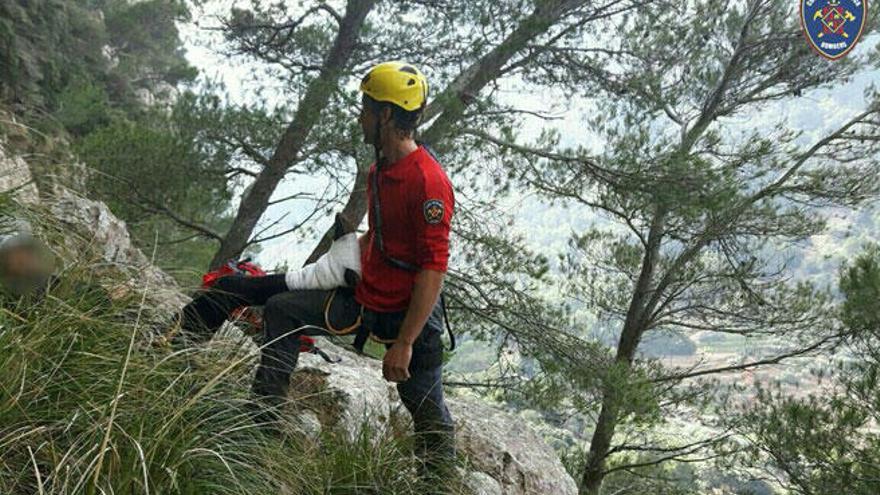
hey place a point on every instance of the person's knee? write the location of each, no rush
(422, 395)
(284, 312)
(274, 311)
(296, 307)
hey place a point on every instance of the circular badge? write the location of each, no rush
(433, 210)
(833, 27)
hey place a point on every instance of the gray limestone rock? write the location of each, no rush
(495, 443)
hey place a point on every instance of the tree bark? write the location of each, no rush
(254, 204)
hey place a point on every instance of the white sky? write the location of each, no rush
(815, 113)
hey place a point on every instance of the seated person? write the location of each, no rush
(339, 267)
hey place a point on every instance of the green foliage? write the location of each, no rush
(162, 164)
(95, 59)
(153, 168)
(860, 284)
(82, 108)
(827, 442)
(694, 206)
(44, 46)
(819, 444)
(146, 41)
(55, 53)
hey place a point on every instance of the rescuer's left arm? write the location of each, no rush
(395, 366)
(431, 212)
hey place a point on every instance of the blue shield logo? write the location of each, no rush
(833, 27)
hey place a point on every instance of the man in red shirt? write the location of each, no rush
(404, 257)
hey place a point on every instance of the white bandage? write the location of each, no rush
(329, 271)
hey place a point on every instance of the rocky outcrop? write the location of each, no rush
(161, 95)
(16, 176)
(482, 484)
(105, 234)
(495, 444)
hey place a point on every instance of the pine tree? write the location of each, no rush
(697, 210)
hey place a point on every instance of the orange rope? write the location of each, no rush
(345, 331)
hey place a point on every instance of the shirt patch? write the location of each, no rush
(433, 211)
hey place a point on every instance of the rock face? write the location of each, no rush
(161, 95)
(108, 236)
(505, 455)
(509, 450)
(496, 444)
(15, 176)
(482, 484)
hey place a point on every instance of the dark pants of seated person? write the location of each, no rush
(201, 318)
(286, 311)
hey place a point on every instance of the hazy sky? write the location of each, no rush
(814, 113)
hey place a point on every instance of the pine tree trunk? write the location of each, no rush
(633, 328)
(318, 93)
(594, 472)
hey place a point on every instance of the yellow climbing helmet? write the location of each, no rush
(396, 82)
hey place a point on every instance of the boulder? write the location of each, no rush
(495, 444)
(105, 234)
(482, 484)
(16, 176)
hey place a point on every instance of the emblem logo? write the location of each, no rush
(433, 211)
(833, 27)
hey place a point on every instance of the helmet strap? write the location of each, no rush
(377, 141)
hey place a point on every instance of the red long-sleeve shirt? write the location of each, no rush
(417, 203)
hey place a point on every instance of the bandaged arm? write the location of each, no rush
(329, 271)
